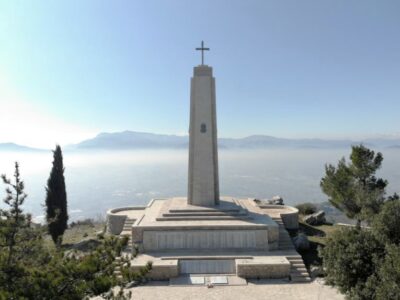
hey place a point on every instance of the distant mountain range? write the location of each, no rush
(11, 147)
(137, 140)
(140, 140)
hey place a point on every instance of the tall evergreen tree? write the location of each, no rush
(12, 222)
(353, 187)
(56, 199)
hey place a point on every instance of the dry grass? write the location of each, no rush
(76, 234)
(317, 235)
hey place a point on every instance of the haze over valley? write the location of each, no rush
(97, 179)
(126, 140)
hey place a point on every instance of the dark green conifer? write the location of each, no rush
(353, 187)
(56, 199)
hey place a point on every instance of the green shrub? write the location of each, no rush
(351, 259)
(101, 284)
(389, 275)
(306, 208)
(387, 223)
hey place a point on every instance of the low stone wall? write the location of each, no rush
(266, 267)
(288, 214)
(115, 222)
(161, 269)
(291, 219)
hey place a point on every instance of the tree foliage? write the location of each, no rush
(363, 263)
(306, 208)
(13, 224)
(353, 187)
(350, 259)
(386, 225)
(389, 275)
(56, 199)
(31, 270)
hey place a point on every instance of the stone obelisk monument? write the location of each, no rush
(206, 234)
(203, 187)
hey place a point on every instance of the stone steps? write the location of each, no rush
(127, 251)
(205, 213)
(285, 239)
(298, 271)
(207, 217)
(206, 209)
(285, 242)
(128, 224)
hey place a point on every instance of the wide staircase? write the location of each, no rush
(127, 252)
(298, 271)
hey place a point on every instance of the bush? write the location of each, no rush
(351, 259)
(386, 225)
(306, 208)
(101, 284)
(389, 275)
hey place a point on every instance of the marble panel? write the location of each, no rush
(205, 239)
(207, 266)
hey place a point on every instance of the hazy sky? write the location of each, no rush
(71, 69)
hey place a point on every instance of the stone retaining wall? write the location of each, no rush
(160, 270)
(115, 222)
(288, 214)
(267, 267)
(291, 219)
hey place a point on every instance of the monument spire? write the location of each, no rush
(203, 153)
(202, 49)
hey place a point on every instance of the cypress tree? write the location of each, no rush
(56, 199)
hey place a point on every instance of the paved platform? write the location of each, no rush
(255, 290)
(162, 211)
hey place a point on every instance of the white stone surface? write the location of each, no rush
(203, 185)
(205, 239)
(259, 290)
(218, 280)
(196, 279)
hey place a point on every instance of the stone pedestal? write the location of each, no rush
(234, 237)
(235, 225)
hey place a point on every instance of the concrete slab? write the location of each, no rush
(236, 280)
(196, 280)
(218, 280)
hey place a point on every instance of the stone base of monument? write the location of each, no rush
(233, 225)
(238, 237)
(234, 237)
(250, 266)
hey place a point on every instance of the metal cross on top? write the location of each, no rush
(202, 49)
